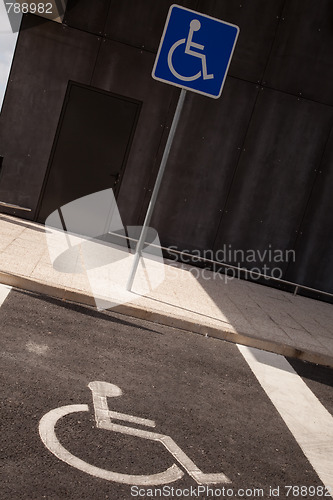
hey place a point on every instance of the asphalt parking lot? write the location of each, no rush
(198, 391)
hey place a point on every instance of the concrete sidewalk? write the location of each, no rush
(236, 311)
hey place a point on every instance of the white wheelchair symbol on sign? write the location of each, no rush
(195, 25)
(195, 51)
(103, 418)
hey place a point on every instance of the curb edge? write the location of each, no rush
(139, 312)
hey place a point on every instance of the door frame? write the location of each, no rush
(70, 85)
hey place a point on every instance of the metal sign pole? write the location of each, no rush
(158, 181)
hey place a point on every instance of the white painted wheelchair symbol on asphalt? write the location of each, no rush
(104, 417)
(195, 25)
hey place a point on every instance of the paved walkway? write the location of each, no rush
(237, 311)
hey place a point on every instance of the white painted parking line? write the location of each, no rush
(307, 419)
(4, 291)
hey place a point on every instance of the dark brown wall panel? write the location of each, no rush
(140, 22)
(87, 15)
(314, 249)
(47, 56)
(258, 21)
(301, 60)
(276, 172)
(201, 164)
(126, 71)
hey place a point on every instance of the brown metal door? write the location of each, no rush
(91, 146)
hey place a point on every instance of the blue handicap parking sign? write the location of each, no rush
(195, 51)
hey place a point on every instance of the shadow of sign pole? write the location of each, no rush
(158, 182)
